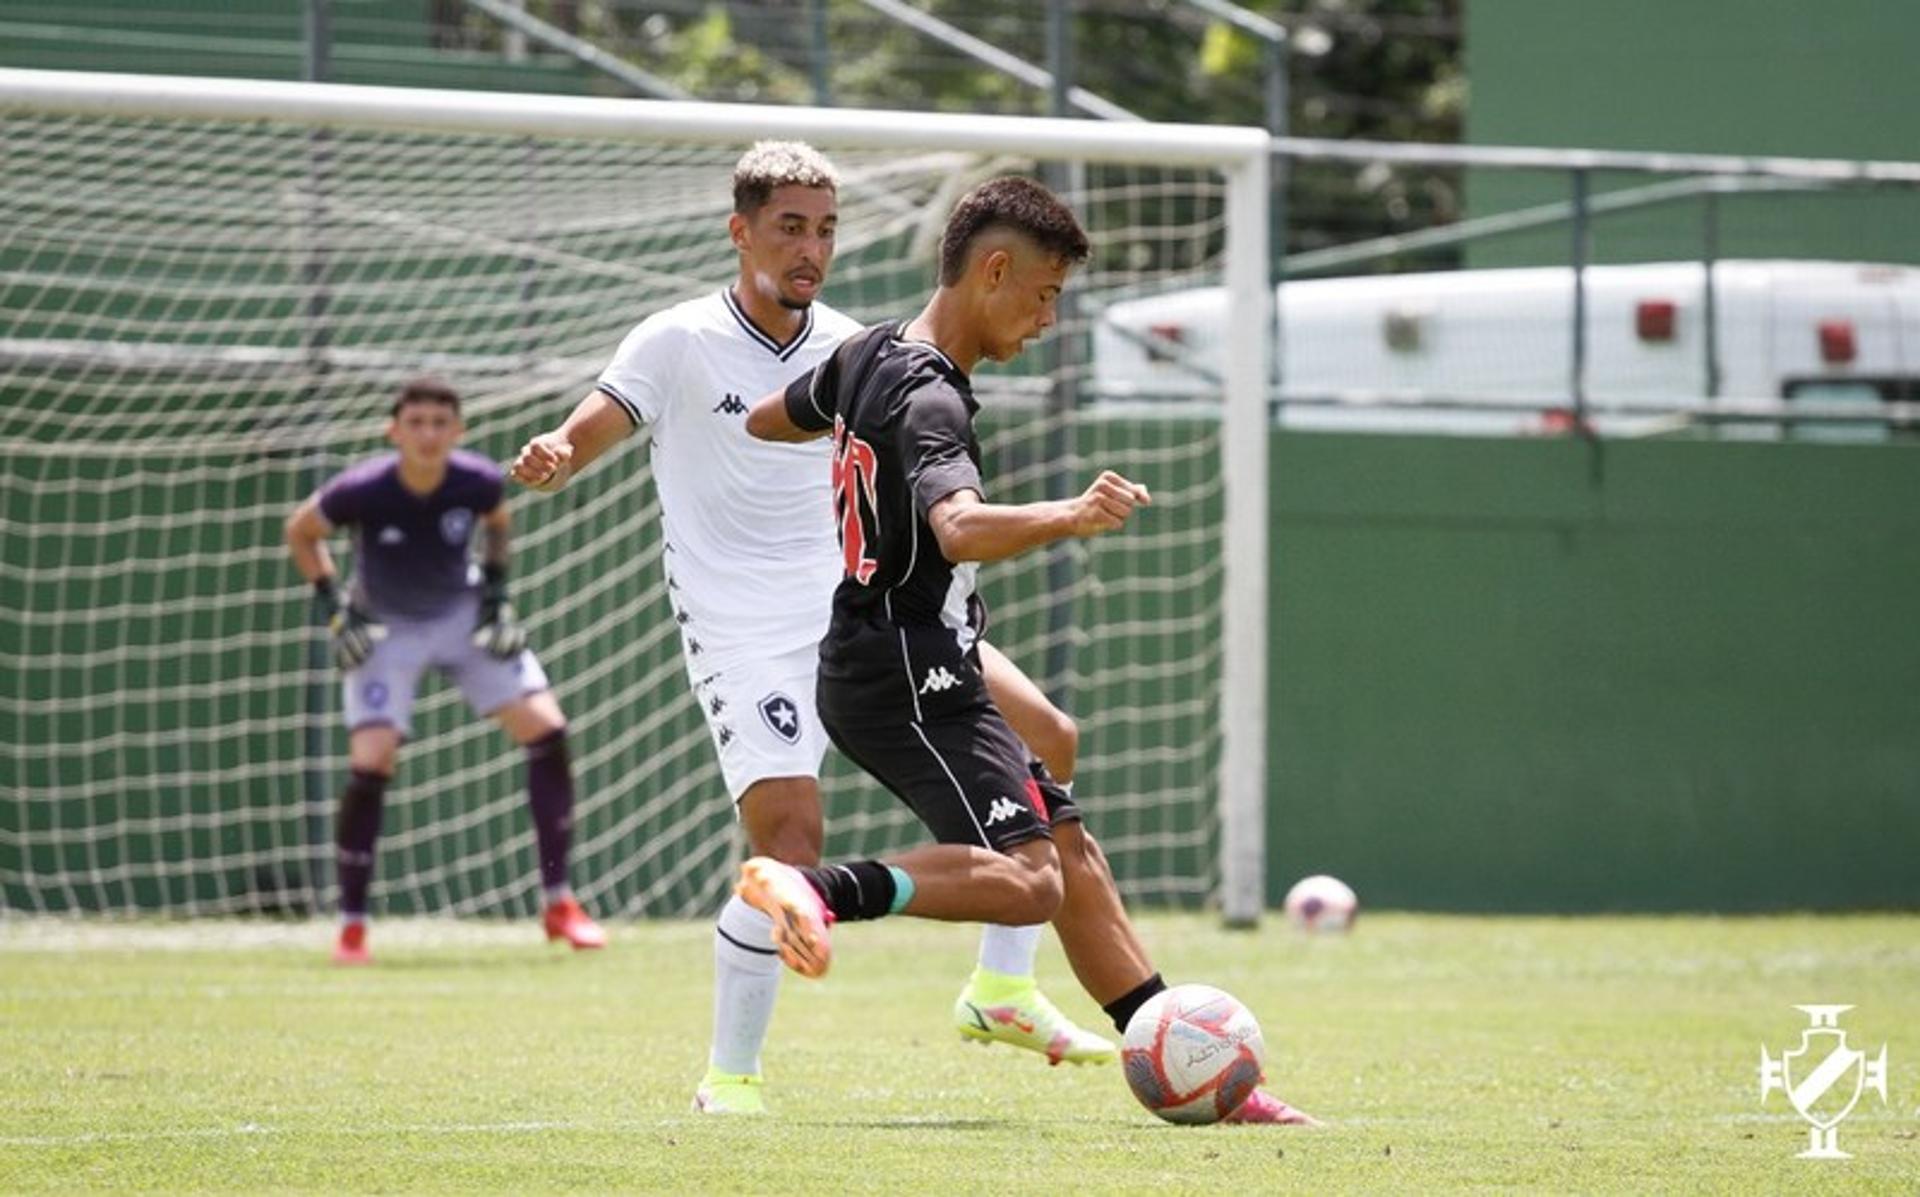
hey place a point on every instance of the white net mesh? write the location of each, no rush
(201, 320)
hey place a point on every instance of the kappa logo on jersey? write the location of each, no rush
(732, 405)
(782, 716)
(854, 467)
(1002, 810)
(392, 535)
(456, 524)
(939, 679)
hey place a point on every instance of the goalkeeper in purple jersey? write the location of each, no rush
(418, 602)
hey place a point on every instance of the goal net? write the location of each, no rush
(208, 294)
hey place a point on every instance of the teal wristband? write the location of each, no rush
(902, 889)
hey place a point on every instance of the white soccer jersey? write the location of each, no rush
(750, 555)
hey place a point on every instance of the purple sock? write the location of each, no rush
(550, 794)
(355, 830)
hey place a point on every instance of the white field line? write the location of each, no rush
(77, 935)
(247, 1129)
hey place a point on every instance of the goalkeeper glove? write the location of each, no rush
(351, 632)
(498, 632)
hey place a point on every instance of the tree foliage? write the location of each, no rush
(1372, 69)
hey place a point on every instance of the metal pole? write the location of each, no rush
(821, 61)
(1064, 399)
(1060, 56)
(313, 271)
(1709, 307)
(1580, 238)
(514, 42)
(1247, 437)
(1277, 124)
(319, 40)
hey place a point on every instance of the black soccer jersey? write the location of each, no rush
(905, 619)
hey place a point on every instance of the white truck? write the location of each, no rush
(1492, 351)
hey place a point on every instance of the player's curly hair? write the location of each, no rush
(1010, 202)
(770, 165)
(427, 388)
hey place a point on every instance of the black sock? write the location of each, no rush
(863, 889)
(550, 796)
(1121, 1009)
(356, 830)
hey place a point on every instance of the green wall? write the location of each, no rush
(1534, 675)
(375, 42)
(1523, 675)
(1828, 80)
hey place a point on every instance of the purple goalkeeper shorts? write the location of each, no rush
(381, 690)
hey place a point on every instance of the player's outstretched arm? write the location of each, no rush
(971, 529)
(768, 420)
(551, 460)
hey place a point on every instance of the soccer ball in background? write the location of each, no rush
(1322, 904)
(1193, 1054)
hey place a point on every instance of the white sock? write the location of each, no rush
(1009, 950)
(556, 893)
(746, 979)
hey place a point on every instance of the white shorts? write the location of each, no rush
(381, 689)
(760, 710)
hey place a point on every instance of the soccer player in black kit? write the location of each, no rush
(900, 685)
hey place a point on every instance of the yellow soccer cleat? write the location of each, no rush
(728, 1093)
(996, 1008)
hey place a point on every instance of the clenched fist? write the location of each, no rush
(544, 464)
(1105, 505)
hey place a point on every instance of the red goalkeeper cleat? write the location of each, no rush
(1264, 1107)
(565, 920)
(351, 947)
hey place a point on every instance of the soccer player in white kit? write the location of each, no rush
(751, 561)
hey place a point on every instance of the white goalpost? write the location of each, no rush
(208, 292)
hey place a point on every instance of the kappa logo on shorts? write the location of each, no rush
(392, 535)
(1002, 810)
(782, 716)
(375, 693)
(939, 678)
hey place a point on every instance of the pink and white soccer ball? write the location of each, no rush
(1322, 903)
(1193, 1054)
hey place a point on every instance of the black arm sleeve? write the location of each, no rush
(809, 398)
(935, 442)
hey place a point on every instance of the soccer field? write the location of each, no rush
(1447, 1054)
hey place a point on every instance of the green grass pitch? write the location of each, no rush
(1448, 1054)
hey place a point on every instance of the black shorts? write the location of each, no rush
(966, 775)
(911, 708)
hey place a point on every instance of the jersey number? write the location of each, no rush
(854, 466)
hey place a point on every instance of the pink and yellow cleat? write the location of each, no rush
(800, 917)
(565, 920)
(1264, 1108)
(997, 1008)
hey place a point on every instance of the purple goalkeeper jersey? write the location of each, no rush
(410, 551)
